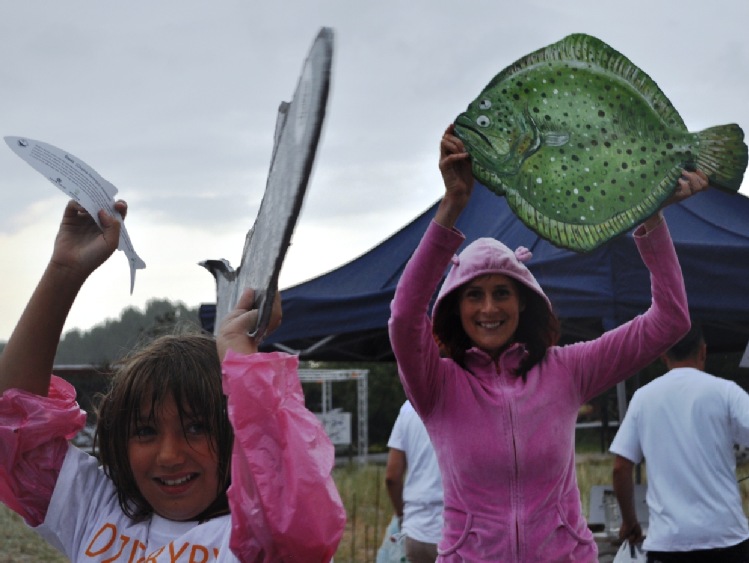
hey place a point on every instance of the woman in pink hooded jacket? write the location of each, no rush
(498, 397)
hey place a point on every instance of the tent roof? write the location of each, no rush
(342, 315)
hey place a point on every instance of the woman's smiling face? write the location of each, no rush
(490, 307)
(175, 467)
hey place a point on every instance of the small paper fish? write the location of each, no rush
(79, 181)
(584, 145)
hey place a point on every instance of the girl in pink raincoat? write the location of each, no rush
(207, 451)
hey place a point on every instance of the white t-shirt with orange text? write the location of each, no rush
(86, 523)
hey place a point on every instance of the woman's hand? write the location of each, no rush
(240, 321)
(81, 246)
(689, 184)
(455, 166)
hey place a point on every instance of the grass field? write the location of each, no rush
(18, 543)
(362, 489)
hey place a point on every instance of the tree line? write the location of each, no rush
(103, 345)
(106, 343)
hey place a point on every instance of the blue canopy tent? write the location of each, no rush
(342, 315)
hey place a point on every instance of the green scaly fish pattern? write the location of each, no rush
(585, 145)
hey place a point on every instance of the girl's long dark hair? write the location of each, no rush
(538, 328)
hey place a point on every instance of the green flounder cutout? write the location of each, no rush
(584, 145)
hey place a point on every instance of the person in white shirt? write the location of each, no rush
(417, 500)
(685, 425)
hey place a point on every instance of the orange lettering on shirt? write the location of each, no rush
(105, 539)
(203, 551)
(152, 557)
(112, 530)
(138, 546)
(125, 540)
(174, 557)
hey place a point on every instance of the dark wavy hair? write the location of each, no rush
(538, 327)
(185, 367)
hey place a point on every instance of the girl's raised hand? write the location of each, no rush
(81, 246)
(234, 329)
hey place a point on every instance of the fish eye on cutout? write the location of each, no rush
(485, 104)
(482, 121)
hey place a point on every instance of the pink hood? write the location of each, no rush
(489, 256)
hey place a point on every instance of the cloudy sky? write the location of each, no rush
(174, 102)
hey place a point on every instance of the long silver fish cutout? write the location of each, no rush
(297, 133)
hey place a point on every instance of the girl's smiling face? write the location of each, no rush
(490, 308)
(175, 467)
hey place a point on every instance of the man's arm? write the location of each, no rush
(394, 477)
(624, 488)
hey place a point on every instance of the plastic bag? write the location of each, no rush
(281, 465)
(630, 553)
(34, 434)
(393, 549)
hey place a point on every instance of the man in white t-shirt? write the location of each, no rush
(417, 500)
(685, 424)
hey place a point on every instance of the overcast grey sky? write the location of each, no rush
(174, 102)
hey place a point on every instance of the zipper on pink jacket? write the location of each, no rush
(515, 486)
(516, 479)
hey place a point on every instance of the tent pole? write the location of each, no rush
(621, 400)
